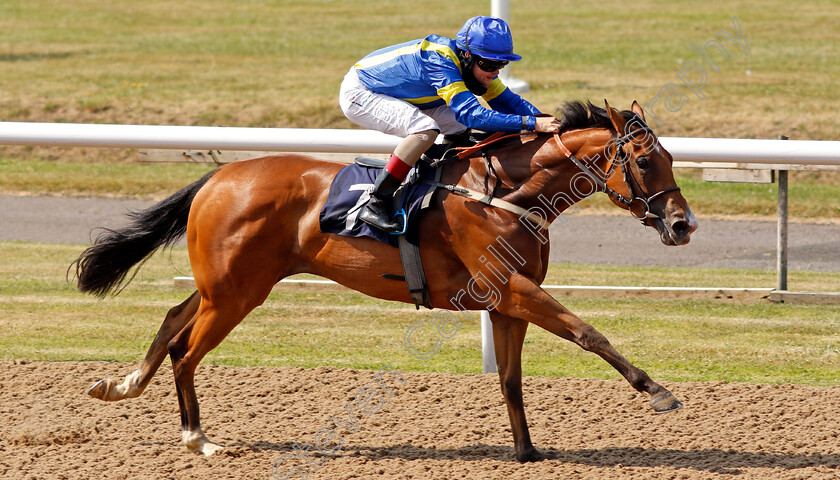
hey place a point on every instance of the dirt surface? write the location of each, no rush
(435, 426)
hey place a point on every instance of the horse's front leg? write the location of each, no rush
(530, 302)
(508, 337)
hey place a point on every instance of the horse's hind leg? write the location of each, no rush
(134, 384)
(210, 326)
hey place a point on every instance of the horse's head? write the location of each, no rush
(609, 151)
(640, 178)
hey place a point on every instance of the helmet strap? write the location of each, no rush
(472, 83)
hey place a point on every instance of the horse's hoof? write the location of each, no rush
(665, 402)
(99, 389)
(196, 441)
(530, 455)
(210, 448)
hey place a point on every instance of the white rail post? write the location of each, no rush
(782, 238)
(498, 9)
(488, 351)
(501, 9)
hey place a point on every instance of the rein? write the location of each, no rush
(488, 199)
(629, 179)
(466, 152)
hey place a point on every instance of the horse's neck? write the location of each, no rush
(550, 177)
(587, 144)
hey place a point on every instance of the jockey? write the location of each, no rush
(419, 89)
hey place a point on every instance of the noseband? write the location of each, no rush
(637, 193)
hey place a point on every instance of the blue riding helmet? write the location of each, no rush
(487, 37)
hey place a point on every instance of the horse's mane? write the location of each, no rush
(576, 114)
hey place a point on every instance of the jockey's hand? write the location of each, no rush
(547, 124)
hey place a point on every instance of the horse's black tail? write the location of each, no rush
(103, 267)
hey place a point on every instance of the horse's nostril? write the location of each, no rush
(682, 228)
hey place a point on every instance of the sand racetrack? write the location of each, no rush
(435, 426)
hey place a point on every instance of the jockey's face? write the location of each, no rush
(484, 77)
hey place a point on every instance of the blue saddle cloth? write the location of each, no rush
(351, 189)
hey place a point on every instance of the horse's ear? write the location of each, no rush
(616, 118)
(638, 110)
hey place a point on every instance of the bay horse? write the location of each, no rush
(250, 224)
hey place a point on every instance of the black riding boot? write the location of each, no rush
(377, 211)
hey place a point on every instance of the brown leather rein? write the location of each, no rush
(634, 187)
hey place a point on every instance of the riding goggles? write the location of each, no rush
(489, 65)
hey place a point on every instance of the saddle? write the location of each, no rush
(350, 189)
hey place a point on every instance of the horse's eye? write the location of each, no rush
(642, 162)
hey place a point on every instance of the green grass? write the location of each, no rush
(44, 318)
(602, 275)
(98, 178)
(279, 64)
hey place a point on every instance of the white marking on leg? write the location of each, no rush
(107, 390)
(130, 388)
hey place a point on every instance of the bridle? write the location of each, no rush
(634, 187)
(630, 180)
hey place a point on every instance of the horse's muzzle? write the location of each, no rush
(676, 228)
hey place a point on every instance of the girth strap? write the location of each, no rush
(412, 264)
(415, 277)
(493, 201)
